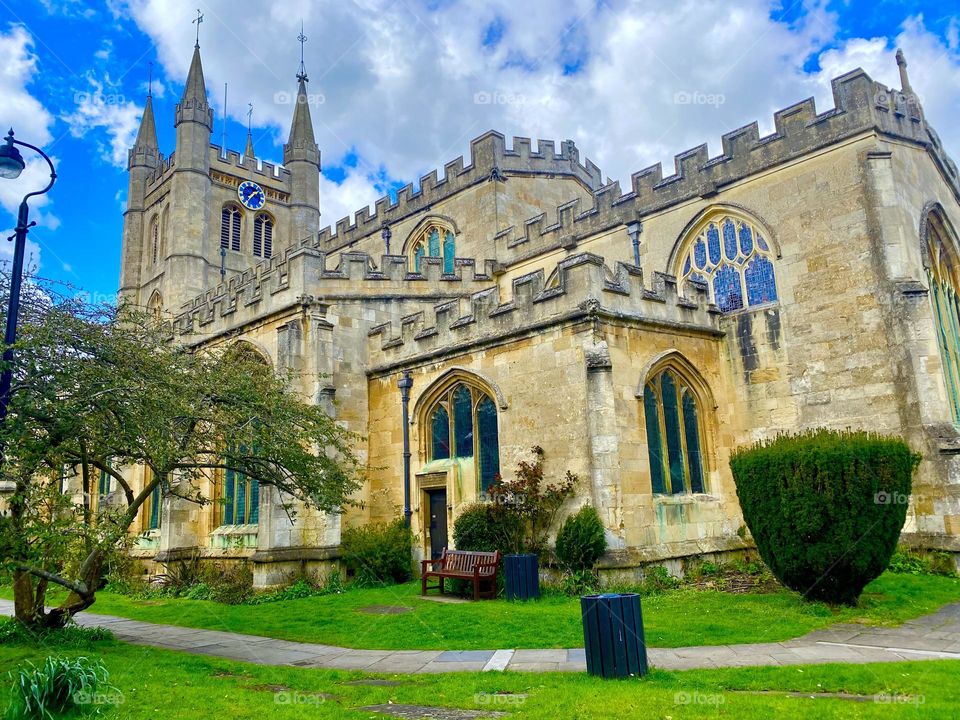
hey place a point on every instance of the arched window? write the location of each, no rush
(263, 235)
(164, 230)
(241, 499)
(434, 240)
(943, 275)
(151, 509)
(155, 306)
(732, 257)
(462, 424)
(674, 434)
(230, 228)
(154, 240)
(240, 495)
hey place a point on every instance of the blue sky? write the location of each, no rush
(400, 87)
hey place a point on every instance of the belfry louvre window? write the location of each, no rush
(434, 241)
(463, 425)
(230, 228)
(731, 256)
(943, 276)
(263, 236)
(155, 241)
(674, 441)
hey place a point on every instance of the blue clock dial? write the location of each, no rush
(251, 195)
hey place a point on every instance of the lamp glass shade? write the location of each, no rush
(11, 162)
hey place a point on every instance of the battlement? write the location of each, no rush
(235, 162)
(584, 287)
(860, 105)
(301, 271)
(489, 158)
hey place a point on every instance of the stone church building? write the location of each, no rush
(804, 279)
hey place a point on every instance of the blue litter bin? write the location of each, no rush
(522, 576)
(613, 635)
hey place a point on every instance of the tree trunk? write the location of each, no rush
(24, 602)
(75, 602)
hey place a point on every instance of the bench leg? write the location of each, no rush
(441, 585)
(423, 584)
(476, 589)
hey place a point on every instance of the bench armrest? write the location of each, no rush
(424, 563)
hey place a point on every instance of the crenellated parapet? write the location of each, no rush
(584, 287)
(276, 283)
(860, 105)
(489, 158)
(238, 163)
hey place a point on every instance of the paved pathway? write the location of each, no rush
(931, 637)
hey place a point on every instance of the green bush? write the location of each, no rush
(825, 508)
(922, 562)
(58, 686)
(482, 527)
(378, 553)
(581, 540)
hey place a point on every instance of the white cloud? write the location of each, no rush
(406, 85)
(339, 200)
(32, 122)
(102, 106)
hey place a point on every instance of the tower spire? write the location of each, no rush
(193, 105)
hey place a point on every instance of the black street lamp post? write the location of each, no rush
(11, 165)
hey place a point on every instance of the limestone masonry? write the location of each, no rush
(804, 279)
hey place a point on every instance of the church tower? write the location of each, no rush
(205, 213)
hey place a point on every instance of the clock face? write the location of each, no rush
(251, 195)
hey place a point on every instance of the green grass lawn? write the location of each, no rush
(673, 619)
(156, 683)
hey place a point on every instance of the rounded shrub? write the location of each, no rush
(581, 540)
(378, 553)
(825, 508)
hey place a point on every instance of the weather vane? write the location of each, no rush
(198, 21)
(302, 75)
(249, 118)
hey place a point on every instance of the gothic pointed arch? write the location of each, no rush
(230, 226)
(155, 306)
(678, 413)
(249, 351)
(459, 421)
(941, 260)
(434, 236)
(732, 253)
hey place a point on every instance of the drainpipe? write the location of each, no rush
(634, 228)
(405, 383)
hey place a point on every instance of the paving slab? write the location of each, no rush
(426, 712)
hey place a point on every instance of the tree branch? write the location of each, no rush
(78, 587)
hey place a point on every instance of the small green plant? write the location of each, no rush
(378, 553)
(58, 686)
(581, 541)
(656, 579)
(580, 582)
(825, 508)
(922, 562)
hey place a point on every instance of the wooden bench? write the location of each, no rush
(477, 567)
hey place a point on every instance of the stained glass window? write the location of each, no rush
(463, 424)
(435, 240)
(448, 252)
(241, 499)
(674, 444)
(488, 442)
(944, 281)
(440, 429)
(740, 271)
